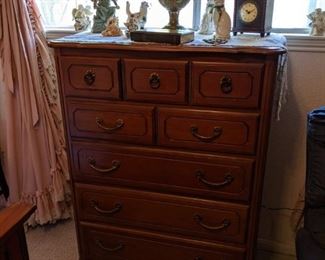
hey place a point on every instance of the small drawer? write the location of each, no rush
(106, 242)
(155, 80)
(117, 122)
(208, 130)
(226, 84)
(192, 174)
(190, 217)
(90, 77)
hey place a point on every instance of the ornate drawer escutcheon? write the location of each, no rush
(89, 77)
(226, 84)
(154, 80)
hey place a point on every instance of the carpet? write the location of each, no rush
(53, 242)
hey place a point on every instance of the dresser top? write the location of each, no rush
(246, 43)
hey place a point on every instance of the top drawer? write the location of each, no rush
(226, 84)
(90, 77)
(156, 81)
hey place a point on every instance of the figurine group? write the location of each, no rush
(105, 21)
(317, 23)
(216, 19)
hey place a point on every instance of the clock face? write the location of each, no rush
(248, 12)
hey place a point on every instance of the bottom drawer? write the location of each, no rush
(105, 243)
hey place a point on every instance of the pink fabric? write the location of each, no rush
(35, 161)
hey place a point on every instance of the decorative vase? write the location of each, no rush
(173, 7)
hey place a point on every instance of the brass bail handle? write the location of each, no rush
(224, 224)
(119, 123)
(100, 244)
(217, 131)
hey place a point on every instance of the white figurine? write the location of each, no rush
(222, 22)
(112, 27)
(140, 18)
(207, 24)
(81, 17)
(135, 21)
(317, 23)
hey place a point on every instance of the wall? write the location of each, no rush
(285, 170)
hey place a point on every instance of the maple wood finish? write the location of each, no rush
(167, 147)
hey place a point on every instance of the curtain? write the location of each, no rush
(32, 140)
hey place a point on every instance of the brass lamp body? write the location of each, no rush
(173, 7)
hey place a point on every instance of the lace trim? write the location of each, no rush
(53, 203)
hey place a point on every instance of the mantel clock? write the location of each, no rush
(253, 16)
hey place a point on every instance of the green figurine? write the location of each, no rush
(104, 11)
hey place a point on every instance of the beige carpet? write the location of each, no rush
(53, 242)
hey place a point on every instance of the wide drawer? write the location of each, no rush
(226, 84)
(118, 122)
(191, 174)
(155, 80)
(90, 77)
(208, 130)
(99, 242)
(190, 217)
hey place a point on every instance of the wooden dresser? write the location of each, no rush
(167, 147)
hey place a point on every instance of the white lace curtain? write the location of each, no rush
(32, 140)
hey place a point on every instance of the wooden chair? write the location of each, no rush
(13, 244)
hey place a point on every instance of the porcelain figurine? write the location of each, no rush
(104, 11)
(135, 21)
(112, 27)
(207, 24)
(222, 22)
(317, 23)
(81, 17)
(131, 26)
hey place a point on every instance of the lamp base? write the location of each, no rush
(172, 27)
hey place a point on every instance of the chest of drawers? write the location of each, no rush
(167, 147)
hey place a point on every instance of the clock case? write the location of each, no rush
(263, 22)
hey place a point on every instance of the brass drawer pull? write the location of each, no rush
(118, 125)
(109, 249)
(154, 80)
(226, 84)
(228, 179)
(89, 77)
(116, 209)
(225, 223)
(115, 165)
(217, 131)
